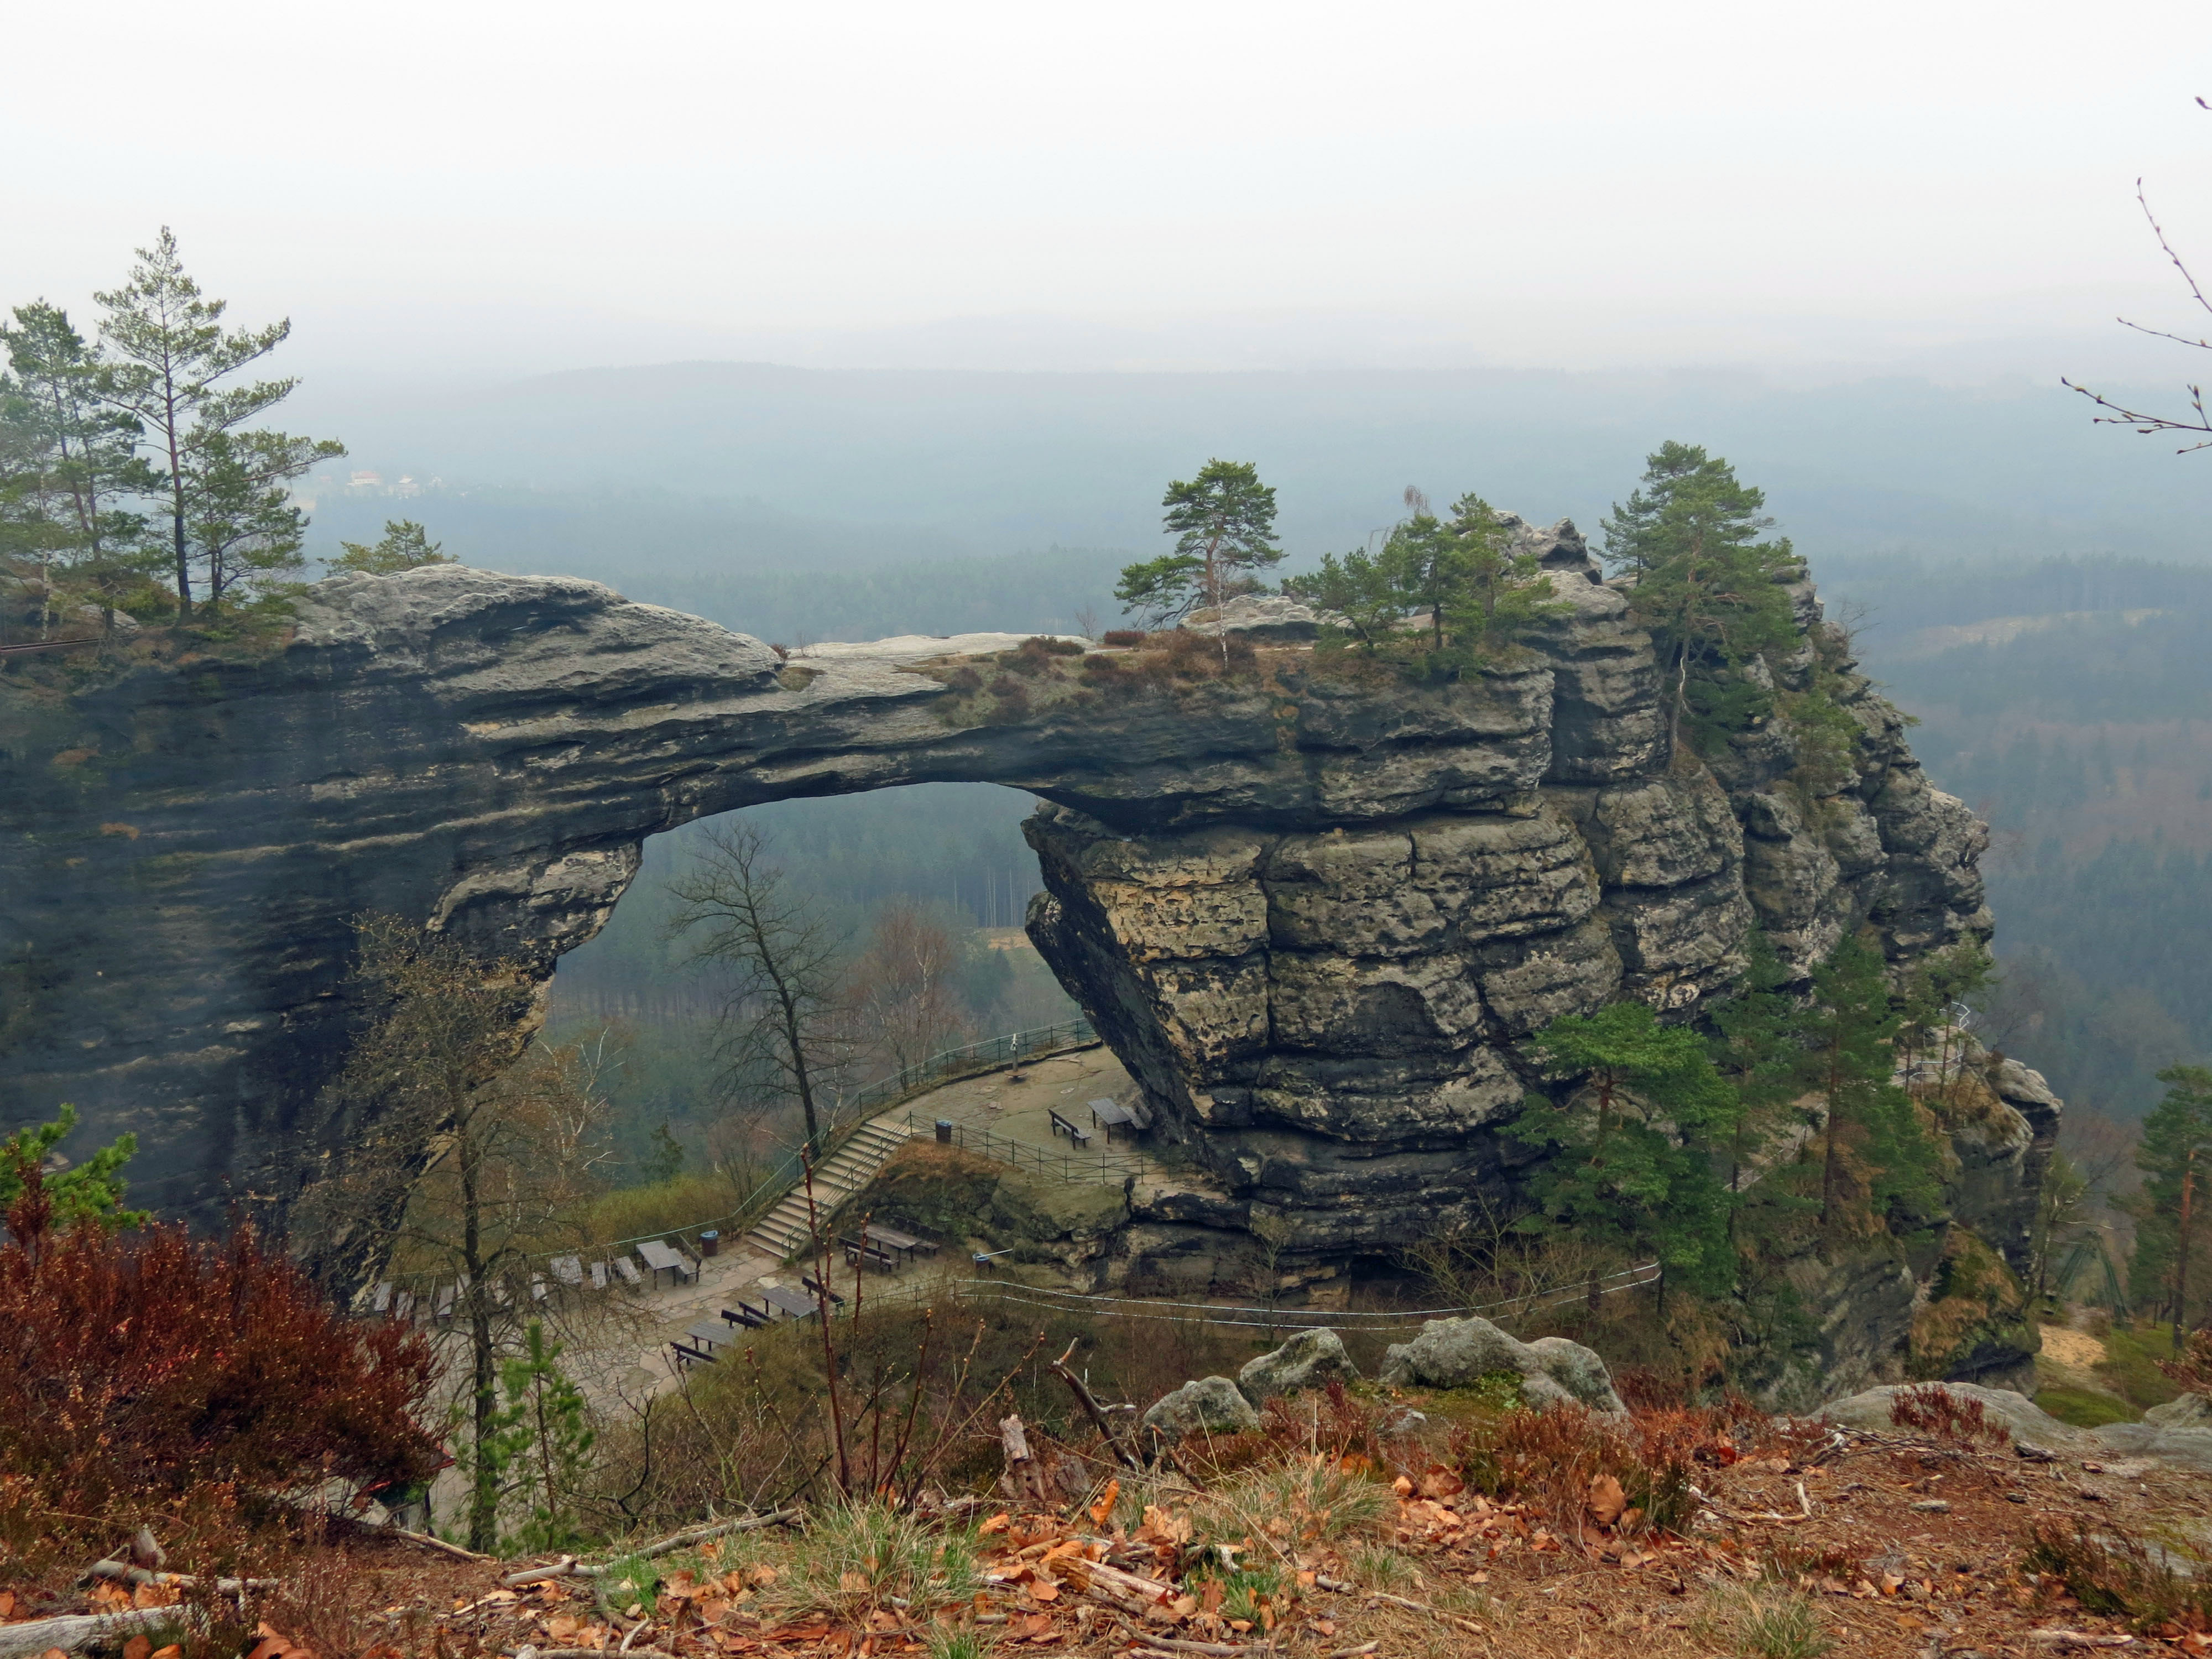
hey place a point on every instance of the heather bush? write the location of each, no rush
(1559, 1461)
(1934, 1410)
(137, 1367)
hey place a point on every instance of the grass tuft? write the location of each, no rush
(857, 1558)
(1761, 1624)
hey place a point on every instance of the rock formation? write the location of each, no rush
(1311, 909)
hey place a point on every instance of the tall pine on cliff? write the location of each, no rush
(1630, 1162)
(1704, 583)
(220, 488)
(1224, 521)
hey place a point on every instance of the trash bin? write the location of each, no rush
(943, 1131)
(709, 1242)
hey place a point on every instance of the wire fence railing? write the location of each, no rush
(1247, 1315)
(1102, 1167)
(975, 1057)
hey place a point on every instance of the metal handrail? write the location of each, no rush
(1105, 1168)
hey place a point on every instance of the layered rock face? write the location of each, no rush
(1325, 1015)
(1311, 911)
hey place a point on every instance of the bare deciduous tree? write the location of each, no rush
(782, 1032)
(461, 1164)
(2194, 424)
(902, 996)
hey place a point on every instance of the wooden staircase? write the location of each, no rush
(783, 1232)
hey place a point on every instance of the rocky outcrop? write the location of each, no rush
(1311, 1360)
(1464, 1353)
(1326, 1014)
(1213, 1404)
(2170, 1437)
(1311, 908)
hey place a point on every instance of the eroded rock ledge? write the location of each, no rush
(1310, 912)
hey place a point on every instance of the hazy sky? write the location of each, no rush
(476, 188)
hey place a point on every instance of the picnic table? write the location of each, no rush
(896, 1242)
(660, 1258)
(790, 1304)
(708, 1334)
(1111, 1115)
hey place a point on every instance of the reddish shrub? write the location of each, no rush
(134, 1366)
(1550, 1459)
(1934, 1410)
(1122, 636)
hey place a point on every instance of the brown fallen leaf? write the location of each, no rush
(1103, 1510)
(1437, 1481)
(1607, 1500)
(138, 1647)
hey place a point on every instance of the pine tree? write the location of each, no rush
(539, 1456)
(1704, 583)
(2173, 1219)
(1875, 1157)
(90, 1190)
(244, 526)
(172, 350)
(75, 460)
(1633, 1168)
(1224, 520)
(1461, 572)
(406, 546)
(1756, 1054)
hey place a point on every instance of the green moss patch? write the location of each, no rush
(2085, 1408)
(2129, 1368)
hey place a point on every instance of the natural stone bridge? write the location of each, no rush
(1309, 910)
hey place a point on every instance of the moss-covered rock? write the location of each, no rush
(1974, 1327)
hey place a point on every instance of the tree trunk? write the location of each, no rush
(483, 1485)
(2181, 1254)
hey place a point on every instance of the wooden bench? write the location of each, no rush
(598, 1275)
(447, 1297)
(1076, 1134)
(384, 1298)
(687, 1356)
(628, 1269)
(858, 1251)
(819, 1289)
(746, 1315)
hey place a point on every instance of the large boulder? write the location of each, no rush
(1311, 1360)
(1457, 1353)
(1212, 1405)
(2191, 1411)
(2029, 1423)
(2171, 1438)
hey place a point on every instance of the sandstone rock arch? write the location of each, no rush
(1310, 912)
